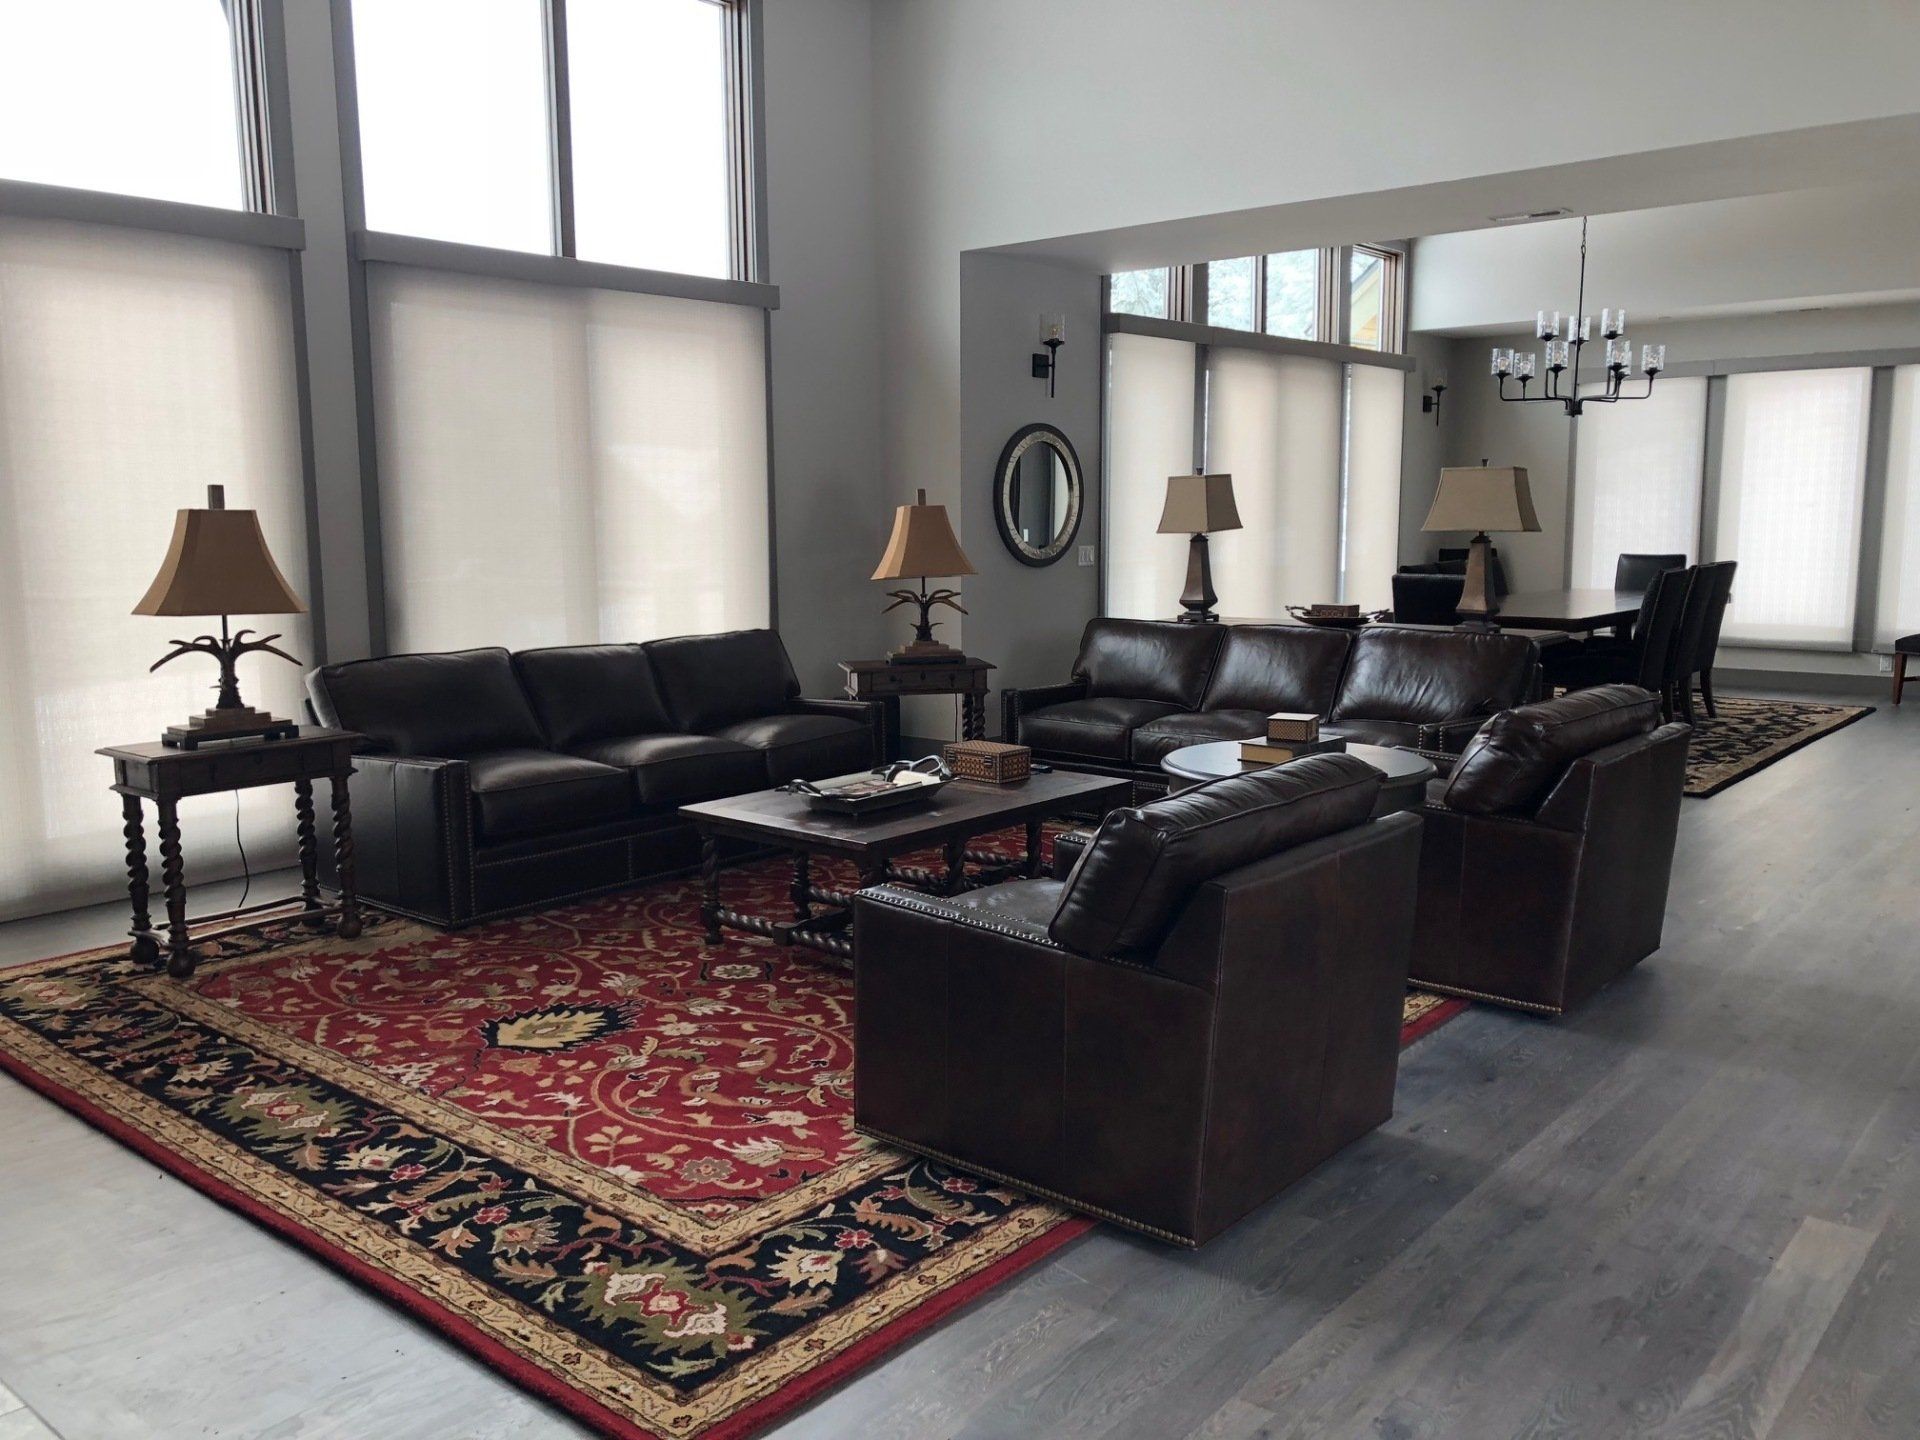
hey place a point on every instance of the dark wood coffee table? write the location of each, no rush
(959, 812)
(1405, 772)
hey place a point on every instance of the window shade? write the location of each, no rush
(1792, 473)
(135, 370)
(1898, 611)
(566, 466)
(1637, 475)
(1376, 416)
(1274, 425)
(1149, 437)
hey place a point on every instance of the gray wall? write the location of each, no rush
(1026, 620)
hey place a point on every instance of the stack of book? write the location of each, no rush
(1288, 737)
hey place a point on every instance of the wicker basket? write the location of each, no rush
(989, 760)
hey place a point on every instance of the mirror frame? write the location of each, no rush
(1024, 439)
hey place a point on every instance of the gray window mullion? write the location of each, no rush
(559, 125)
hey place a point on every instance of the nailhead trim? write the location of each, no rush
(1467, 994)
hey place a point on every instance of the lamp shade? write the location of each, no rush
(218, 564)
(922, 544)
(1479, 498)
(1199, 505)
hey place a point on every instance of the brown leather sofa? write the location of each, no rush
(495, 782)
(1544, 867)
(1205, 1008)
(1141, 688)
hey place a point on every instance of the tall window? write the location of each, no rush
(1899, 608)
(1149, 437)
(131, 96)
(1291, 290)
(1637, 477)
(1233, 293)
(1140, 292)
(618, 136)
(1791, 480)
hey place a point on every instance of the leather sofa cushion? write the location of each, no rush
(1161, 660)
(1100, 729)
(590, 692)
(804, 747)
(524, 792)
(713, 680)
(1425, 676)
(1156, 739)
(1278, 667)
(1137, 875)
(681, 769)
(1520, 753)
(453, 703)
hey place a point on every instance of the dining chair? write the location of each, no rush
(1644, 660)
(1636, 571)
(1420, 599)
(1699, 639)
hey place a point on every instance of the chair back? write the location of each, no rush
(1716, 614)
(1636, 571)
(1658, 628)
(1706, 598)
(1427, 599)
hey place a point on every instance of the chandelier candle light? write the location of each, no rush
(1563, 354)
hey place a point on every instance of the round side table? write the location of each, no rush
(1406, 772)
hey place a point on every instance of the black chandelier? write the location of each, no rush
(1563, 354)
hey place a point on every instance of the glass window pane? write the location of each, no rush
(1230, 293)
(649, 90)
(453, 120)
(1366, 306)
(132, 96)
(1139, 292)
(1293, 294)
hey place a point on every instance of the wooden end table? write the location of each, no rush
(962, 810)
(886, 682)
(166, 775)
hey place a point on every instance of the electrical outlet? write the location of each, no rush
(1886, 664)
(1086, 554)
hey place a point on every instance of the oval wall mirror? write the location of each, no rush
(1038, 494)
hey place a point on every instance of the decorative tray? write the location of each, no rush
(868, 791)
(1335, 622)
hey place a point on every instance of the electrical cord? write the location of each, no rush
(246, 870)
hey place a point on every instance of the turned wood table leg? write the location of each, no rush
(309, 847)
(349, 922)
(1033, 866)
(802, 891)
(710, 887)
(955, 879)
(143, 949)
(973, 718)
(173, 886)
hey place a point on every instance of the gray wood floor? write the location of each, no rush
(1692, 1210)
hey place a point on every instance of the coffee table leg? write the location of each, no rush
(872, 872)
(1033, 850)
(802, 885)
(955, 880)
(710, 887)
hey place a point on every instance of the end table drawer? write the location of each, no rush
(262, 767)
(919, 679)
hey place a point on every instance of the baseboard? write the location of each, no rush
(1803, 682)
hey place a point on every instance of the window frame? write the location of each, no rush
(1333, 304)
(1393, 339)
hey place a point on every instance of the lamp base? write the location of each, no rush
(1477, 600)
(1197, 599)
(240, 722)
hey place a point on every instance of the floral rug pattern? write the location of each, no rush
(1751, 733)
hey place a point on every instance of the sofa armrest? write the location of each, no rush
(1015, 703)
(1068, 847)
(413, 836)
(1450, 737)
(870, 713)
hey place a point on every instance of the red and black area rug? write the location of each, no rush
(613, 1162)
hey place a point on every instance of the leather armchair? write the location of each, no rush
(1547, 851)
(1204, 1010)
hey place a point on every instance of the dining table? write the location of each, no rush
(1575, 610)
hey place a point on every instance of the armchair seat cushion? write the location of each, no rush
(803, 747)
(1097, 729)
(1154, 741)
(675, 769)
(523, 792)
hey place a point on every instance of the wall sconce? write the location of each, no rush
(1430, 402)
(1053, 334)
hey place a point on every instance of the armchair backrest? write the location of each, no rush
(1429, 677)
(1146, 862)
(1162, 660)
(448, 703)
(713, 680)
(1520, 755)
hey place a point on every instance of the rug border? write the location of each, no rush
(1860, 713)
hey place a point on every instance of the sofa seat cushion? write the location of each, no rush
(1519, 754)
(1096, 729)
(524, 792)
(1399, 733)
(804, 747)
(675, 769)
(1278, 667)
(1138, 874)
(1154, 741)
(1032, 902)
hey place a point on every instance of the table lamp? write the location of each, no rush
(1480, 498)
(923, 544)
(218, 564)
(1197, 505)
